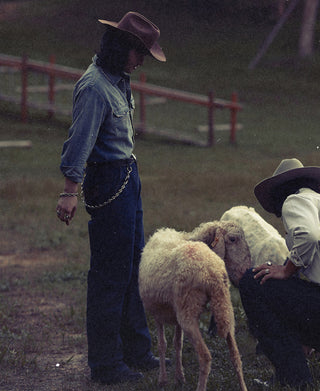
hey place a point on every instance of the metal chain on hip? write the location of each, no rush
(123, 186)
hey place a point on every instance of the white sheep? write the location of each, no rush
(265, 242)
(179, 274)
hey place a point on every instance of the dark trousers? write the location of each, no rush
(283, 315)
(116, 324)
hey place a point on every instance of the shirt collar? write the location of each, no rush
(114, 79)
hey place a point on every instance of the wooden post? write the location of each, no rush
(142, 124)
(309, 19)
(292, 5)
(24, 88)
(211, 120)
(233, 118)
(51, 89)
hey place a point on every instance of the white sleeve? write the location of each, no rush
(301, 221)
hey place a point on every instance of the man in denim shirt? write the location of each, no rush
(100, 146)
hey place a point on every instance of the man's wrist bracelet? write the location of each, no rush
(68, 194)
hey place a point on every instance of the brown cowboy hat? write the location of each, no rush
(288, 169)
(139, 26)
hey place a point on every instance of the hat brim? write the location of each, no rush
(155, 51)
(264, 190)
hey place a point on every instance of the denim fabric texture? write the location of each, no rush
(116, 323)
(101, 127)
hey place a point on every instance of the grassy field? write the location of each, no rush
(43, 263)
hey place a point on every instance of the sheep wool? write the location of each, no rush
(179, 274)
(265, 242)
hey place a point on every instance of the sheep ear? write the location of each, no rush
(218, 245)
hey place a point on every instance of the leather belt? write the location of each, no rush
(114, 163)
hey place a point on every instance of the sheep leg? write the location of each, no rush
(191, 329)
(178, 343)
(162, 347)
(236, 360)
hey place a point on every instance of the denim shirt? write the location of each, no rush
(301, 219)
(102, 128)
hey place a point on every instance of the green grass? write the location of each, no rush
(42, 304)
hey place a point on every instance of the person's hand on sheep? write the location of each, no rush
(278, 272)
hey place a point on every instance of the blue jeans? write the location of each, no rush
(283, 315)
(117, 329)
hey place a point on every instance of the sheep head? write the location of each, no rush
(227, 240)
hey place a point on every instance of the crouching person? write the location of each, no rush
(282, 302)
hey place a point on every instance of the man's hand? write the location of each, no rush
(68, 202)
(278, 272)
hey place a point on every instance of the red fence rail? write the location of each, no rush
(53, 71)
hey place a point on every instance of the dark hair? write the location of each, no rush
(281, 193)
(114, 49)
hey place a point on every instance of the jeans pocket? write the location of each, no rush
(101, 183)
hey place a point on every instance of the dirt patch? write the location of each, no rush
(42, 342)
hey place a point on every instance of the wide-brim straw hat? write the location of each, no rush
(142, 28)
(288, 170)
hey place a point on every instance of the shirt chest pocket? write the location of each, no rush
(121, 120)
